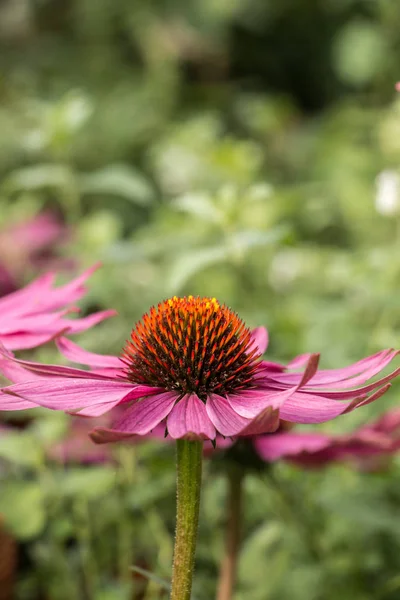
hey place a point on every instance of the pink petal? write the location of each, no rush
(97, 410)
(12, 403)
(269, 380)
(273, 447)
(40, 323)
(267, 365)
(65, 294)
(189, 419)
(360, 372)
(307, 408)
(266, 422)
(259, 339)
(251, 403)
(109, 373)
(347, 394)
(26, 341)
(362, 401)
(12, 303)
(226, 421)
(138, 419)
(14, 372)
(44, 370)
(78, 355)
(79, 325)
(139, 391)
(69, 394)
(299, 361)
(104, 435)
(367, 374)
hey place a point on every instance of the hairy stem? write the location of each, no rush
(189, 462)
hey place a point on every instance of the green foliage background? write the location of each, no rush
(228, 149)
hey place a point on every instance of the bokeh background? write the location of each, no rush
(244, 150)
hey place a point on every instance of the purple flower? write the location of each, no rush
(192, 366)
(37, 313)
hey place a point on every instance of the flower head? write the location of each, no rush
(192, 346)
(193, 367)
(37, 313)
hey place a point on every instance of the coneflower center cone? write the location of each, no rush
(191, 345)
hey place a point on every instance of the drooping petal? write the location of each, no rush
(79, 325)
(189, 419)
(348, 394)
(298, 361)
(62, 295)
(31, 294)
(44, 370)
(138, 419)
(77, 354)
(265, 422)
(352, 375)
(226, 421)
(250, 403)
(8, 402)
(41, 323)
(307, 408)
(67, 393)
(11, 370)
(28, 340)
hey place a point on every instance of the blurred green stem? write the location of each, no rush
(83, 534)
(188, 464)
(127, 468)
(227, 576)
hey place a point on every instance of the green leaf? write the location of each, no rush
(38, 177)
(199, 205)
(247, 239)
(22, 506)
(192, 262)
(88, 482)
(118, 180)
(20, 448)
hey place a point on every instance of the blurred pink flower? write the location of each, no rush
(313, 449)
(30, 243)
(37, 313)
(77, 447)
(192, 366)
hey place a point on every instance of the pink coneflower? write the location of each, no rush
(193, 366)
(36, 313)
(29, 243)
(318, 449)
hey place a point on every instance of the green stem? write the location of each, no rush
(188, 464)
(227, 576)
